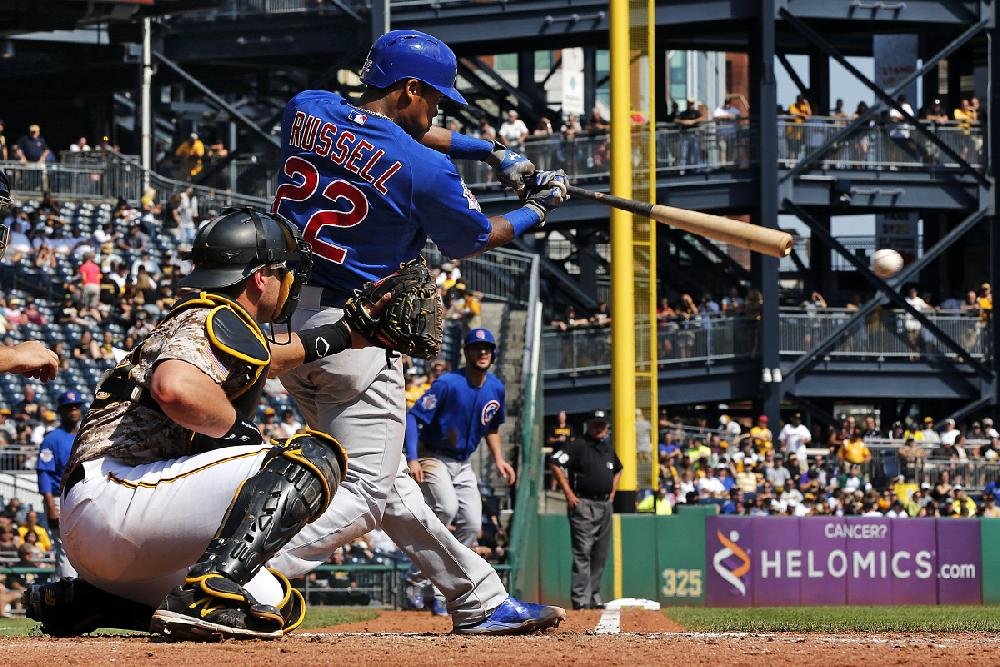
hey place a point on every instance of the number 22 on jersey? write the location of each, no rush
(336, 190)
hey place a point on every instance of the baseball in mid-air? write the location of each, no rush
(886, 263)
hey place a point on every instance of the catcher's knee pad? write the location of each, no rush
(293, 487)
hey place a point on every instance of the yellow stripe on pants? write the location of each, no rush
(616, 553)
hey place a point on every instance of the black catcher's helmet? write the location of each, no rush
(232, 246)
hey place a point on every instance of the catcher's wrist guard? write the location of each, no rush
(325, 340)
(241, 433)
(413, 320)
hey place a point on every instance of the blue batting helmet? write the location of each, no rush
(71, 397)
(480, 336)
(411, 54)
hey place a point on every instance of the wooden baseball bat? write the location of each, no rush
(773, 242)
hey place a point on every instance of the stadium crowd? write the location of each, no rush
(852, 468)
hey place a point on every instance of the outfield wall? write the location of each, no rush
(695, 557)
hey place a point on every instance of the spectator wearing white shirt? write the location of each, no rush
(711, 485)
(794, 438)
(950, 433)
(513, 132)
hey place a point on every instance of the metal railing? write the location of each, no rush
(884, 333)
(700, 339)
(708, 147)
(106, 175)
(501, 273)
(877, 145)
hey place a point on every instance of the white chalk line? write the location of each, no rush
(610, 622)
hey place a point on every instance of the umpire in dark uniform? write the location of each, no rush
(587, 471)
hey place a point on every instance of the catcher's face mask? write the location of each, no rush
(297, 265)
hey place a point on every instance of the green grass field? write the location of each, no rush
(317, 617)
(839, 619)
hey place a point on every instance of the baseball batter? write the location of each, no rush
(171, 500)
(443, 430)
(366, 192)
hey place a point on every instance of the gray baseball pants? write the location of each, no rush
(451, 489)
(357, 397)
(590, 535)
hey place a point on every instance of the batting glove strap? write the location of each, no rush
(513, 169)
(325, 340)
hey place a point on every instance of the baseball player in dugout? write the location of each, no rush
(29, 358)
(171, 501)
(443, 430)
(368, 181)
(587, 471)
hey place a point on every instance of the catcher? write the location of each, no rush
(172, 502)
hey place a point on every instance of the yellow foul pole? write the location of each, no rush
(622, 291)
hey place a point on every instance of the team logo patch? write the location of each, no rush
(45, 456)
(473, 202)
(490, 411)
(429, 402)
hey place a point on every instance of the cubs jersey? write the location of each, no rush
(455, 415)
(53, 454)
(365, 194)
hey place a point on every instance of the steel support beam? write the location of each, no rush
(993, 155)
(764, 99)
(217, 100)
(876, 108)
(889, 99)
(819, 230)
(827, 343)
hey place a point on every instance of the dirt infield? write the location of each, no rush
(410, 638)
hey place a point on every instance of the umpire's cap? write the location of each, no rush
(411, 54)
(480, 336)
(70, 398)
(598, 417)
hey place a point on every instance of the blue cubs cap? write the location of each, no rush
(411, 54)
(71, 397)
(480, 336)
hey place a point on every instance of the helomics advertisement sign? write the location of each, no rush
(781, 561)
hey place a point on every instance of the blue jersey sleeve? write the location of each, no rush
(427, 405)
(46, 467)
(448, 211)
(410, 437)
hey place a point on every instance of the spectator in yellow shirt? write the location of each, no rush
(414, 389)
(962, 506)
(985, 301)
(191, 152)
(31, 524)
(854, 450)
(761, 436)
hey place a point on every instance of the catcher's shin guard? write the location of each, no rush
(292, 488)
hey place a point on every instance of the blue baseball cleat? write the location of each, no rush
(514, 617)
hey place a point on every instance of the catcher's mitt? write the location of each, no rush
(413, 320)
